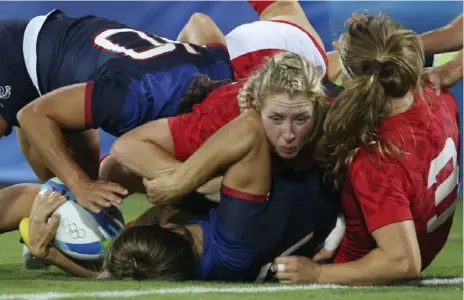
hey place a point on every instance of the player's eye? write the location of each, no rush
(276, 119)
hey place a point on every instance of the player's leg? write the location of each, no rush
(84, 147)
(290, 11)
(251, 175)
(16, 202)
(201, 30)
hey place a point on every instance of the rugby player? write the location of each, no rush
(282, 25)
(91, 107)
(393, 147)
(261, 211)
(55, 50)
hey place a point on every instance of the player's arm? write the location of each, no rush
(227, 146)
(43, 121)
(147, 150)
(58, 259)
(201, 30)
(396, 257)
(444, 39)
(159, 146)
(447, 74)
(386, 212)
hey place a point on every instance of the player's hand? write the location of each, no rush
(433, 75)
(95, 195)
(296, 269)
(443, 76)
(44, 222)
(163, 190)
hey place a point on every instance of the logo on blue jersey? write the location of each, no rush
(5, 92)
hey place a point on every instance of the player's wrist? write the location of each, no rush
(323, 270)
(76, 181)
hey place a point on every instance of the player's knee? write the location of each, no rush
(201, 30)
(200, 21)
(281, 8)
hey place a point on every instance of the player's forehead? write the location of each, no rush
(285, 104)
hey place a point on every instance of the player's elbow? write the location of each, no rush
(27, 116)
(407, 264)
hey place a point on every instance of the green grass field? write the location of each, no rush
(18, 283)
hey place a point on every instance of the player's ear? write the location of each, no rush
(256, 105)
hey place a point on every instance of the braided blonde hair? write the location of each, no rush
(290, 74)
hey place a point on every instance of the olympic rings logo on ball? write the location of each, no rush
(72, 229)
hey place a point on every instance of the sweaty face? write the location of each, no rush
(287, 122)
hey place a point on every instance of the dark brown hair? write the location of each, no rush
(381, 60)
(152, 252)
(200, 87)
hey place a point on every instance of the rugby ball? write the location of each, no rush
(83, 234)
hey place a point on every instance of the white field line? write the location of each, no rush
(204, 290)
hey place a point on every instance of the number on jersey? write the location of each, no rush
(445, 188)
(160, 45)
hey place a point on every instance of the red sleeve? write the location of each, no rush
(189, 131)
(379, 190)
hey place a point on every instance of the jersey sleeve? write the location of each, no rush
(113, 103)
(189, 131)
(379, 190)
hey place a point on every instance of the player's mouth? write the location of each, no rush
(286, 150)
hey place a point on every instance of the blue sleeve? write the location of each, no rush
(114, 103)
